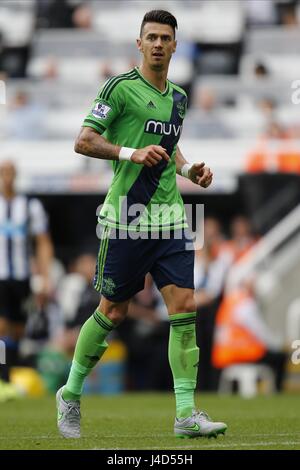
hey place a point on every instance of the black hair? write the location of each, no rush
(261, 69)
(159, 16)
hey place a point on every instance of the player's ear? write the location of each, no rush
(175, 45)
(139, 45)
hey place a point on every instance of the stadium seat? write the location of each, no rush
(277, 39)
(231, 90)
(17, 22)
(282, 67)
(247, 377)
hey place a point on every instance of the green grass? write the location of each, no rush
(145, 421)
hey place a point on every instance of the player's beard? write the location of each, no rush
(157, 67)
(160, 66)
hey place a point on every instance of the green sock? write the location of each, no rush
(183, 358)
(90, 346)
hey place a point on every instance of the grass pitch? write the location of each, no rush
(145, 421)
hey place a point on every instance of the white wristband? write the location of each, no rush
(185, 170)
(126, 153)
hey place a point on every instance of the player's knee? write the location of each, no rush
(185, 304)
(116, 315)
(114, 311)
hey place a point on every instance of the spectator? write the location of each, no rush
(51, 70)
(88, 300)
(242, 238)
(289, 17)
(211, 266)
(204, 122)
(20, 220)
(272, 129)
(55, 13)
(242, 336)
(261, 71)
(77, 297)
(44, 320)
(25, 120)
(82, 17)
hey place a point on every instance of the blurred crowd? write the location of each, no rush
(60, 51)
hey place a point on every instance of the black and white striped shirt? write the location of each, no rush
(20, 219)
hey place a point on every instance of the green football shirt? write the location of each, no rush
(130, 112)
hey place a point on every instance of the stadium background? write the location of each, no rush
(239, 62)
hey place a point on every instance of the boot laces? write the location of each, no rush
(73, 413)
(202, 414)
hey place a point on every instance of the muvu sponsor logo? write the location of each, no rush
(162, 128)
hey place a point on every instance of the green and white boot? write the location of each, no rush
(198, 425)
(68, 416)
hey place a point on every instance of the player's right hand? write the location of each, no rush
(150, 155)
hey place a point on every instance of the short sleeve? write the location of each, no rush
(106, 108)
(38, 220)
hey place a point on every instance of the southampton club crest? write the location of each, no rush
(181, 109)
(101, 110)
(108, 286)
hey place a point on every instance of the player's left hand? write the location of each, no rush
(201, 175)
